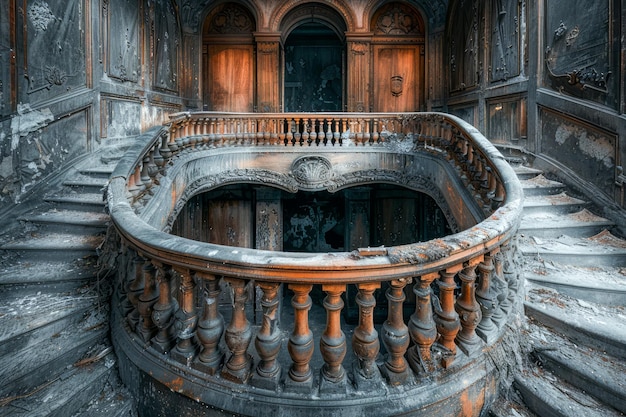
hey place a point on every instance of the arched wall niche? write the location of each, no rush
(313, 12)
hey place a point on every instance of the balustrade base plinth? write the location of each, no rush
(271, 382)
(185, 356)
(300, 387)
(240, 376)
(210, 368)
(333, 387)
(395, 377)
(372, 383)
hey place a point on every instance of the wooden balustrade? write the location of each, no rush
(438, 326)
(172, 291)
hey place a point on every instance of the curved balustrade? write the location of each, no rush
(174, 325)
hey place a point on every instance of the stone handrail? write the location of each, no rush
(480, 260)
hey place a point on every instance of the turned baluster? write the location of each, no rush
(300, 343)
(486, 297)
(281, 132)
(333, 341)
(163, 311)
(446, 317)
(337, 131)
(422, 327)
(268, 339)
(297, 135)
(365, 338)
(186, 320)
(366, 135)
(238, 336)
(134, 290)
(396, 334)
(469, 310)
(359, 132)
(329, 132)
(210, 327)
(313, 136)
(146, 300)
(504, 304)
(289, 139)
(375, 132)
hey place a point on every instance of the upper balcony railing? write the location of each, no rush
(465, 284)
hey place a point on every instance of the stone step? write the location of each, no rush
(98, 171)
(59, 246)
(508, 408)
(603, 249)
(525, 172)
(87, 184)
(67, 220)
(548, 396)
(591, 371)
(552, 225)
(597, 326)
(113, 401)
(64, 395)
(557, 203)
(35, 364)
(78, 201)
(602, 285)
(540, 185)
(26, 276)
(26, 320)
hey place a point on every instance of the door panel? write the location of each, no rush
(397, 78)
(230, 78)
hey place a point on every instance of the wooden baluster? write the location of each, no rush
(365, 338)
(297, 136)
(469, 310)
(313, 136)
(396, 334)
(504, 305)
(486, 297)
(145, 301)
(134, 290)
(375, 132)
(306, 135)
(163, 311)
(359, 132)
(238, 336)
(422, 327)
(210, 327)
(329, 132)
(300, 343)
(446, 317)
(186, 320)
(366, 134)
(333, 341)
(510, 270)
(268, 339)
(289, 139)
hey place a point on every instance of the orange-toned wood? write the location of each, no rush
(333, 340)
(238, 336)
(229, 78)
(397, 78)
(365, 338)
(301, 340)
(395, 333)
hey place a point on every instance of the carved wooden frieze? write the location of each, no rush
(577, 49)
(397, 19)
(55, 48)
(505, 39)
(231, 18)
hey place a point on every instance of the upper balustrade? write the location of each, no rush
(465, 285)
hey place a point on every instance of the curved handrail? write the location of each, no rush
(393, 262)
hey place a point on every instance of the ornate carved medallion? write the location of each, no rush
(312, 172)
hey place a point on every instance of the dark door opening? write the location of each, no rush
(313, 69)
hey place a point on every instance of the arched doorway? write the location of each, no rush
(313, 60)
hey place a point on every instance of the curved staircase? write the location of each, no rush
(55, 356)
(56, 359)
